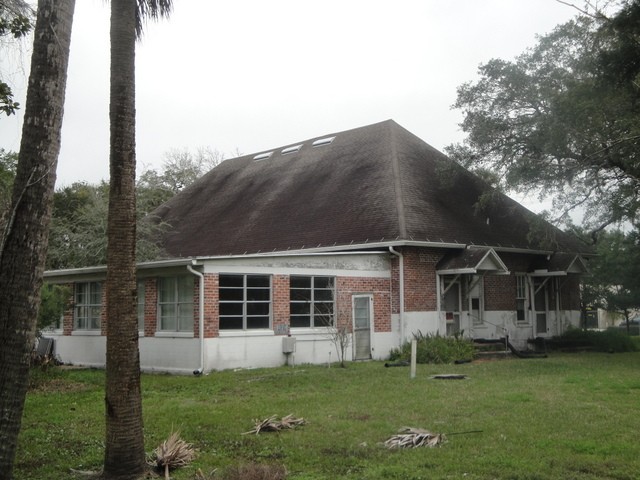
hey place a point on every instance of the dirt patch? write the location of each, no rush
(57, 385)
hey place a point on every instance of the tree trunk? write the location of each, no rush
(23, 244)
(124, 452)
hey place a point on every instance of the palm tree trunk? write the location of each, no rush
(23, 244)
(124, 449)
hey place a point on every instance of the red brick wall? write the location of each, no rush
(381, 290)
(280, 299)
(150, 306)
(211, 311)
(499, 292)
(420, 278)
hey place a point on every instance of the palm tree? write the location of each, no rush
(124, 448)
(23, 242)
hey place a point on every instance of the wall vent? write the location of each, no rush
(323, 141)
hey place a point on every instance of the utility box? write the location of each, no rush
(288, 344)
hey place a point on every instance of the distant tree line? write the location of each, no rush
(78, 236)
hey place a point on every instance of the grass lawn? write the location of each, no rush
(569, 416)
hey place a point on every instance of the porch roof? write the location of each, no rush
(472, 261)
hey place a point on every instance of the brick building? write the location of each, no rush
(370, 231)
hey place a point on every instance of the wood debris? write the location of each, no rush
(273, 424)
(172, 453)
(415, 437)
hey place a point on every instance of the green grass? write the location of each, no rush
(569, 416)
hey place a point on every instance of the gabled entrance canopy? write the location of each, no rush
(559, 265)
(472, 261)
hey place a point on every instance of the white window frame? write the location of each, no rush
(243, 302)
(178, 304)
(522, 295)
(318, 307)
(87, 310)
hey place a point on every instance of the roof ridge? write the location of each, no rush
(395, 167)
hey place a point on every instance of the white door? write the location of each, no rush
(362, 315)
(541, 307)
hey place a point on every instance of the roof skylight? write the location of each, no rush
(323, 141)
(263, 156)
(293, 149)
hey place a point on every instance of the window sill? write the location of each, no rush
(174, 335)
(86, 333)
(247, 333)
(312, 331)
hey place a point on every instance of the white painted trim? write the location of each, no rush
(246, 333)
(167, 334)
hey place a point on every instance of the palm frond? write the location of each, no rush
(415, 437)
(151, 9)
(172, 453)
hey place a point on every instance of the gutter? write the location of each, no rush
(200, 370)
(401, 287)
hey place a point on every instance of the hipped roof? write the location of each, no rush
(369, 186)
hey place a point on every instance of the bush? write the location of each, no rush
(433, 348)
(610, 340)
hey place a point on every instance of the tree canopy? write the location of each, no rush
(563, 119)
(614, 280)
(16, 21)
(78, 235)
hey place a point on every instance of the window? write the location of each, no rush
(175, 304)
(311, 301)
(141, 306)
(245, 302)
(521, 298)
(88, 306)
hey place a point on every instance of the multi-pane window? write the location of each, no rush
(311, 301)
(521, 298)
(88, 306)
(141, 306)
(245, 302)
(175, 304)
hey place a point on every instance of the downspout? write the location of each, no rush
(200, 370)
(401, 287)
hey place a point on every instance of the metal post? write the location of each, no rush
(414, 350)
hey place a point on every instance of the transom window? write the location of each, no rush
(175, 304)
(245, 302)
(88, 306)
(311, 301)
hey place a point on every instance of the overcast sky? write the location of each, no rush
(251, 75)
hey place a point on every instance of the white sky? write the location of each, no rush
(250, 75)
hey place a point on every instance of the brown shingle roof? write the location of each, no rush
(372, 184)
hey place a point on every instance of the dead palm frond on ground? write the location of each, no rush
(172, 453)
(410, 437)
(272, 424)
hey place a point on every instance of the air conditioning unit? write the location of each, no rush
(288, 344)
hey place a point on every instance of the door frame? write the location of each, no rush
(368, 296)
(535, 289)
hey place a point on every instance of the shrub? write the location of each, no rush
(610, 340)
(433, 348)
